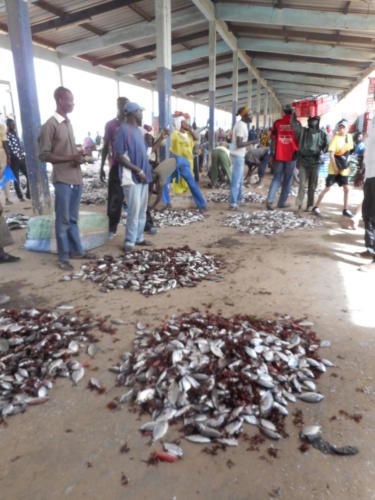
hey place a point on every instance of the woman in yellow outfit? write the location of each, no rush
(182, 144)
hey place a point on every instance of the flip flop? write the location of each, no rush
(84, 256)
(7, 259)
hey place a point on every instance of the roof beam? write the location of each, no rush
(279, 87)
(219, 83)
(258, 14)
(313, 80)
(306, 49)
(177, 58)
(306, 67)
(140, 31)
(201, 73)
(337, 37)
(78, 16)
(208, 10)
(150, 48)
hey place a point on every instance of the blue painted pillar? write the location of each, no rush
(164, 66)
(22, 50)
(257, 105)
(235, 87)
(211, 82)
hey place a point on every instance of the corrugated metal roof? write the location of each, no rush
(271, 45)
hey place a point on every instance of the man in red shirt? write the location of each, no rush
(284, 153)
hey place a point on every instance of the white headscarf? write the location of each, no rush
(177, 120)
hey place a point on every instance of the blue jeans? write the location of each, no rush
(262, 167)
(136, 196)
(238, 166)
(282, 174)
(183, 170)
(67, 200)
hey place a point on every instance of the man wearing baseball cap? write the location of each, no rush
(135, 174)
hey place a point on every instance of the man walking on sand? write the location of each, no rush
(340, 147)
(57, 146)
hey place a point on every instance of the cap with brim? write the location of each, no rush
(132, 107)
(342, 123)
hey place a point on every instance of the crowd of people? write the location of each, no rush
(137, 168)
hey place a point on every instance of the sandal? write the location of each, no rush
(144, 243)
(84, 256)
(65, 265)
(7, 259)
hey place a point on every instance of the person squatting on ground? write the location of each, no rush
(182, 144)
(284, 148)
(153, 147)
(57, 146)
(257, 157)
(5, 240)
(115, 192)
(340, 147)
(312, 141)
(135, 174)
(17, 159)
(5, 258)
(220, 162)
(240, 142)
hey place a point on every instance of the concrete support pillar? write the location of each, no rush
(61, 77)
(257, 105)
(21, 44)
(164, 65)
(211, 82)
(265, 110)
(249, 89)
(270, 120)
(235, 87)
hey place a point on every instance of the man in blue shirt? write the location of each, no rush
(135, 174)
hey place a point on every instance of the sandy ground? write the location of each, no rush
(70, 447)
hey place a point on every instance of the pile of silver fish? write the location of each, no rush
(17, 221)
(218, 375)
(222, 196)
(150, 271)
(36, 347)
(268, 222)
(94, 191)
(166, 217)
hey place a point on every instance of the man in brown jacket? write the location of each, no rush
(57, 146)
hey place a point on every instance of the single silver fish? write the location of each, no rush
(173, 449)
(160, 430)
(145, 395)
(311, 397)
(197, 438)
(78, 375)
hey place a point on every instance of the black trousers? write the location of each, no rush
(115, 199)
(196, 168)
(368, 214)
(19, 167)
